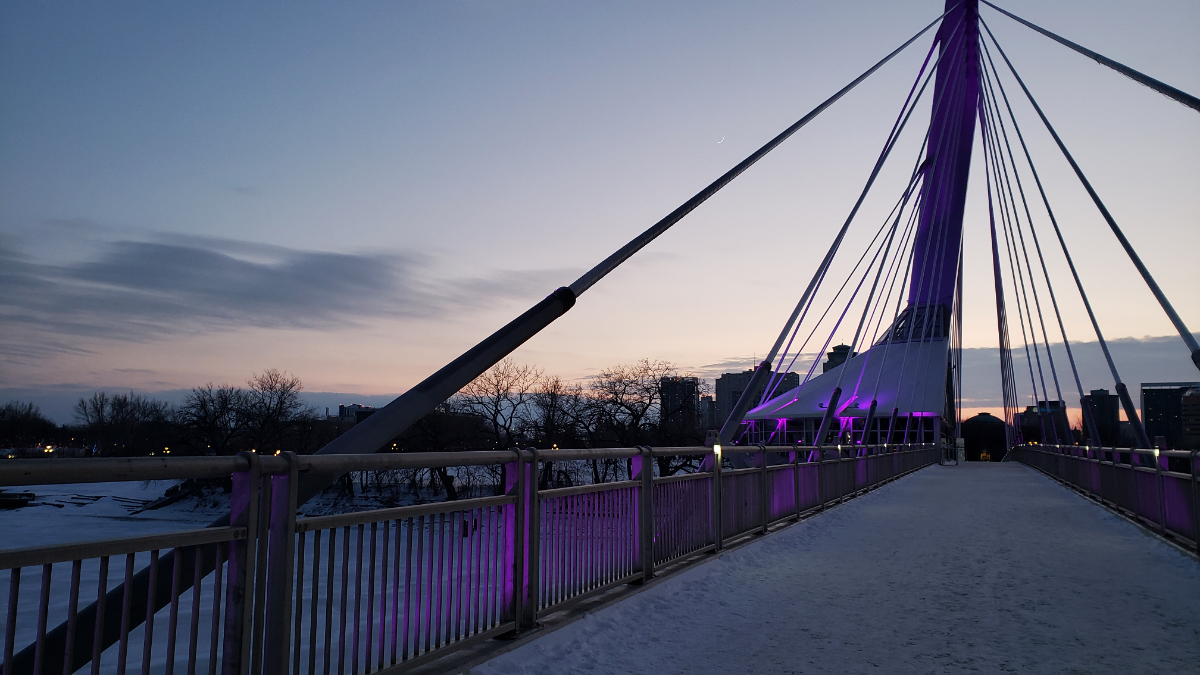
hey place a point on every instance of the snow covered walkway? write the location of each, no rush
(979, 567)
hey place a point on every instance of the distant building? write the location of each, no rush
(1191, 419)
(984, 433)
(1106, 411)
(731, 385)
(836, 357)
(1046, 423)
(708, 413)
(680, 401)
(1162, 410)
(355, 412)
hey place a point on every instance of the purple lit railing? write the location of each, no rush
(1159, 489)
(389, 589)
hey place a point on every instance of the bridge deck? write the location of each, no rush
(988, 567)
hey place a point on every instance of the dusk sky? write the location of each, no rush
(357, 193)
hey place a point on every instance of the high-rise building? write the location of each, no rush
(680, 401)
(1046, 423)
(836, 357)
(1162, 410)
(1191, 419)
(708, 413)
(1106, 412)
(731, 385)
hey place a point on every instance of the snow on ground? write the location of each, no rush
(979, 567)
(87, 511)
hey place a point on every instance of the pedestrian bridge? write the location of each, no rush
(978, 567)
(861, 555)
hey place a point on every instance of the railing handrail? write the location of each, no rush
(19, 472)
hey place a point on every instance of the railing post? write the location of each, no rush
(1195, 499)
(643, 470)
(533, 538)
(796, 480)
(281, 568)
(239, 590)
(713, 463)
(515, 524)
(763, 488)
(1162, 497)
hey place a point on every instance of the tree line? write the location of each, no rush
(509, 405)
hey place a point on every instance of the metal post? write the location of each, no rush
(643, 470)
(796, 480)
(515, 522)
(763, 488)
(281, 568)
(239, 594)
(1195, 499)
(1162, 497)
(718, 509)
(533, 538)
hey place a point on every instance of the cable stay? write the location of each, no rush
(1143, 79)
(1088, 418)
(1122, 391)
(763, 371)
(1188, 338)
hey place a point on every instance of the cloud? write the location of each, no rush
(146, 288)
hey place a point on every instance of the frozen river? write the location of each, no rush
(979, 567)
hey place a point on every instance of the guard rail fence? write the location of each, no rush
(1157, 488)
(388, 589)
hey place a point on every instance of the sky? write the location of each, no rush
(358, 193)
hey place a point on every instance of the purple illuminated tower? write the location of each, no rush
(899, 389)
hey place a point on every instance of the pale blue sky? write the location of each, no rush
(357, 193)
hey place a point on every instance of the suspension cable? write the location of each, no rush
(1089, 419)
(1122, 390)
(1161, 87)
(1184, 333)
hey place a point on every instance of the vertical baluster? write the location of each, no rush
(148, 643)
(383, 587)
(358, 573)
(327, 657)
(315, 586)
(298, 631)
(396, 588)
(173, 619)
(126, 602)
(477, 547)
(371, 566)
(344, 598)
(462, 539)
(10, 624)
(194, 637)
(215, 634)
(408, 576)
(43, 609)
(446, 580)
(429, 584)
(101, 589)
(443, 543)
(489, 566)
(73, 613)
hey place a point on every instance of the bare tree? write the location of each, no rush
(123, 424)
(502, 396)
(627, 398)
(273, 409)
(213, 419)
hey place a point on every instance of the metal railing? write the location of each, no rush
(385, 590)
(1160, 489)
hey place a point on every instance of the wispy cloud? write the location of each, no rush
(159, 285)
